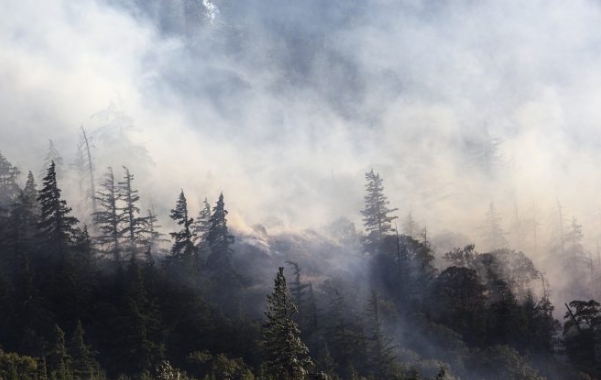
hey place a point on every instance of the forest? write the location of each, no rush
(296, 190)
(119, 298)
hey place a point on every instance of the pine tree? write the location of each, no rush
(297, 288)
(379, 345)
(108, 218)
(21, 231)
(182, 250)
(133, 223)
(219, 238)
(152, 235)
(9, 188)
(376, 216)
(83, 364)
(56, 225)
(286, 357)
(345, 337)
(201, 226)
(58, 360)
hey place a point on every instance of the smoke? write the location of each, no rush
(284, 106)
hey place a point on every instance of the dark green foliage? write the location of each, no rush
(183, 250)
(286, 357)
(381, 357)
(582, 335)
(459, 302)
(345, 336)
(17, 367)
(84, 367)
(140, 338)
(503, 363)
(202, 224)
(56, 225)
(219, 239)
(221, 367)
(58, 361)
(9, 188)
(476, 319)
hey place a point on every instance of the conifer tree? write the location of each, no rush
(201, 226)
(56, 225)
(9, 188)
(376, 216)
(21, 231)
(219, 238)
(109, 218)
(28, 199)
(153, 236)
(297, 289)
(58, 360)
(83, 364)
(346, 341)
(133, 224)
(182, 250)
(379, 345)
(286, 357)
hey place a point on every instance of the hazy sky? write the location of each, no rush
(284, 105)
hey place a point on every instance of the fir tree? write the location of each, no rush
(379, 345)
(219, 238)
(58, 360)
(182, 250)
(108, 218)
(9, 188)
(56, 225)
(201, 226)
(286, 357)
(153, 236)
(83, 364)
(133, 224)
(376, 216)
(21, 231)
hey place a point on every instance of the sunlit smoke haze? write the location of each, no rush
(283, 106)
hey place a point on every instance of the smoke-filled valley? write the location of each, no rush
(425, 173)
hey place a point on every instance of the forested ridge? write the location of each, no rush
(122, 299)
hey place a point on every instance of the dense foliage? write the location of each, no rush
(105, 302)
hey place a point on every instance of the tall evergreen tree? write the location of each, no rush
(201, 226)
(9, 188)
(20, 234)
(109, 218)
(182, 250)
(56, 225)
(133, 224)
(286, 357)
(376, 216)
(58, 359)
(219, 238)
(83, 364)
(380, 346)
(153, 236)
